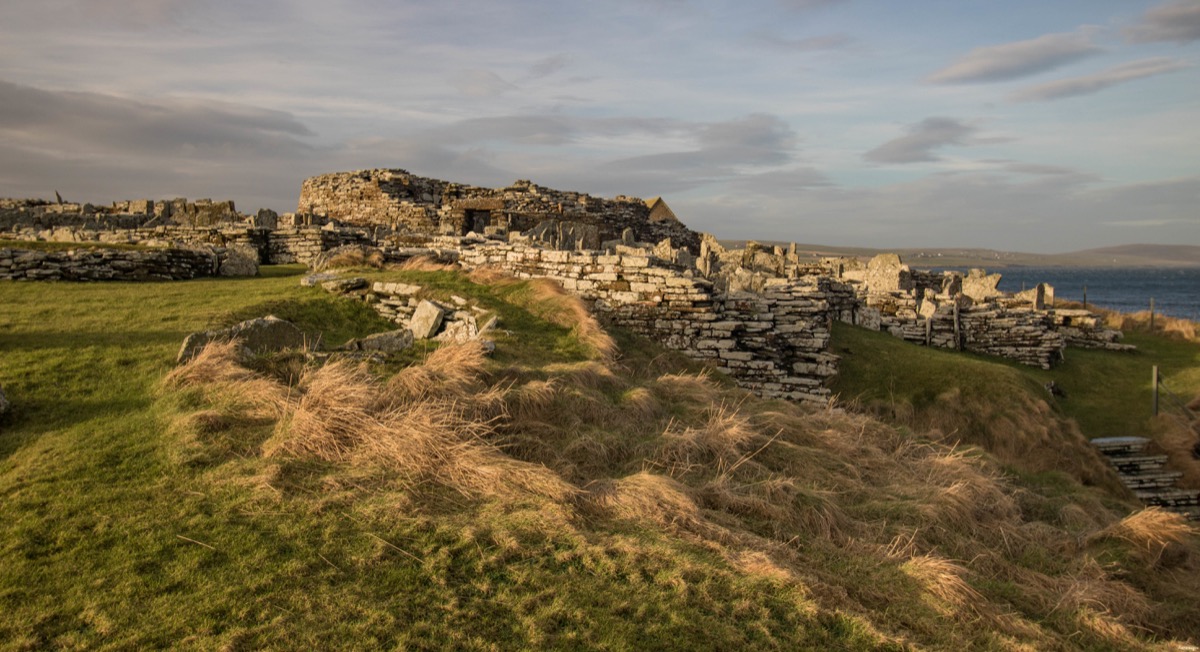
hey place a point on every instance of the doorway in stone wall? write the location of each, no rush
(476, 220)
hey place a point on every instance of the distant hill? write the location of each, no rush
(1134, 255)
(1147, 254)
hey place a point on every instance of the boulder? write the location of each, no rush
(426, 320)
(263, 335)
(239, 260)
(387, 342)
(313, 280)
(345, 285)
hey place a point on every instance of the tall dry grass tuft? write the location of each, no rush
(1173, 327)
(425, 264)
(944, 580)
(719, 444)
(647, 498)
(218, 373)
(356, 258)
(567, 310)
(1151, 529)
(452, 370)
(331, 416)
(697, 388)
(1090, 587)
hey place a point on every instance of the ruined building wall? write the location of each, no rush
(398, 200)
(108, 264)
(774, 343)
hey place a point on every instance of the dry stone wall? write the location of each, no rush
(109, 264)
(773, 343)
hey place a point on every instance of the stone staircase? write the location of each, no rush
(1147, 477)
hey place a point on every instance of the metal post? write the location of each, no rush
(1154, 387)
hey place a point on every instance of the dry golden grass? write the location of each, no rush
(425, 264)
(1150, 529)
(1182, 329)
(648, 498)
(356, 258)
(945, 580)
(218, 373)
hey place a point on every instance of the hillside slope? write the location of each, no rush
(572, 491)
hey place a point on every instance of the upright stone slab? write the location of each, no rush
(426, 320)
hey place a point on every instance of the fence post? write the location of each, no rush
(1151, 314)
(1154, 387)
(1085, 297)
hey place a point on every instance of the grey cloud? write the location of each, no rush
(755, 139)
(922, 138)
(1018, 59)
(1096, 82)
(102, 147)
(75, 120)
(1172, 21)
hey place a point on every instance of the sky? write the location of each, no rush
(1018, 125)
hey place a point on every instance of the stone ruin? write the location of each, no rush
(403, 202)
(759, 314)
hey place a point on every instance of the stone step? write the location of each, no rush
(1134, 464)
(1151, 480)
(1170, 497)
(1120, 445)
(1192, 513)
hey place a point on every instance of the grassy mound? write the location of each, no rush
(574, 491)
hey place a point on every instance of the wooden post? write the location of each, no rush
(1085, 297)
(1154, 387)
(1151, 314)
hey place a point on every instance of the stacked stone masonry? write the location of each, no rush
(774, 343)
(108, 264)
(399, 201)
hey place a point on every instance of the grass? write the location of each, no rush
(1004, 407)
(566, 493)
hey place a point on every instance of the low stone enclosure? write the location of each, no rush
(758, 314)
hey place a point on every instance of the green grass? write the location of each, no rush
(1108, 393)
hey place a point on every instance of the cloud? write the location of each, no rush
(75, 120)
(1018, 59)
(1173, 21)
(922, 138)
(1097, 82)
(106, 146)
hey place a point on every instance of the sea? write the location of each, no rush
(1176, 291)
